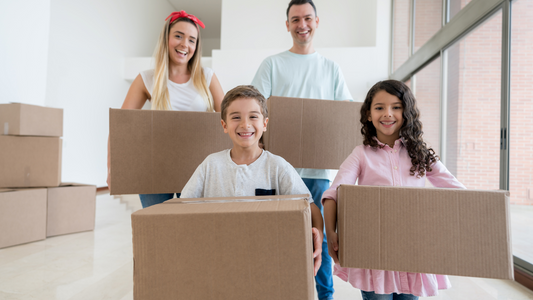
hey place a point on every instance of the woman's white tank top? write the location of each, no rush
(183, 96)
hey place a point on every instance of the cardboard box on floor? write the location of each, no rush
(310, 133)
(425, 230)
(30, 161)
(224, 248)
(34, 120)
(22, 216)
(158, 151)
(71, 208)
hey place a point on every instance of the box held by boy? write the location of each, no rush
(158, 151)
(29, 161)
(22, 216)
(224, 248)
(311, 133)
(425, 230)
(71, 208)
(33, 120)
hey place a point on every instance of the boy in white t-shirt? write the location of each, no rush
(246, 169)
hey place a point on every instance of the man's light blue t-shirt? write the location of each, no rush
(312, 76)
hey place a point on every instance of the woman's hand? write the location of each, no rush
(333, 246)
(317, 246)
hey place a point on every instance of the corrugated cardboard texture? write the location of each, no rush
(71, 208)
(310, 133)
(425, 230)
(158, 151)
(30, 161)
(250, 250)
(22, 216)
(26, 119)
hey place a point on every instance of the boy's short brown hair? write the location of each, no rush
(244, 91)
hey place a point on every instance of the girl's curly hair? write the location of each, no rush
(411, 132)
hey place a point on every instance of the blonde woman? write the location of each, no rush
(178, 82)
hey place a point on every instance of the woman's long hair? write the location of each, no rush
(411, 132)
(160, 97)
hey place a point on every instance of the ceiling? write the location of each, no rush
(208, 11)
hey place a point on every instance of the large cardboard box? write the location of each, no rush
(71, 208)
(22, 216)
(26, 119)
(157, 151)
(425, 230)
(310, 133)
(224, 248)
(30, 161)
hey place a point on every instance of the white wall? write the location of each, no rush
(24, 27)
(361, 66)
(258, 24)
(88, 42)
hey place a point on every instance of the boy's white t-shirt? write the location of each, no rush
(183, 96)
(219, 176)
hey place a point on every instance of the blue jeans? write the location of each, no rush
(324, 277)
(153, 199)
(374, 296)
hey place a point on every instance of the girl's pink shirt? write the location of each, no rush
(389, 167)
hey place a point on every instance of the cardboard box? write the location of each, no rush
(26, 119)
(214, 249)
(425, 230)
(30, 161)
(22, 216)
(158, 151)
(71, 208)
(310, 133)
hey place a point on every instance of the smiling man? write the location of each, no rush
(302, 72)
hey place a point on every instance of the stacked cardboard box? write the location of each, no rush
(33, 202)
(224, 248)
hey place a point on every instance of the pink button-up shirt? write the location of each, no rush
(389, 167)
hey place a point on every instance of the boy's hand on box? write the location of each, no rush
(317, 245)
(333, 246)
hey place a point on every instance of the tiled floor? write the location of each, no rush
(98, 265)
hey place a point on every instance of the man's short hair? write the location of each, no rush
(300, 2)
(244, 91)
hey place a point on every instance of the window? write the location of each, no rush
(521, 134)
(401, 33)
(473, 106)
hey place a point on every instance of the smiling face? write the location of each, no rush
(244, 123)
(182, 40)
(302, 23)
(386, 114)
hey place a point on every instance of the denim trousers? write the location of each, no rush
(324, 277)
(393, 296)
(153, 199)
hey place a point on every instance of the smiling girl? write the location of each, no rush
(393, 154)
(178, 81)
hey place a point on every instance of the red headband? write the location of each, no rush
(182, 14)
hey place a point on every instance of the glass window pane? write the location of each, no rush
(428, 20)
(473, 106)
(427, 93)
(402, 9)
(455, 6)
(521, 134)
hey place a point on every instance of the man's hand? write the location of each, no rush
(333, 246)
(317, 245)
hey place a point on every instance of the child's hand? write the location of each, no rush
(333, 246)
(317, 245)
